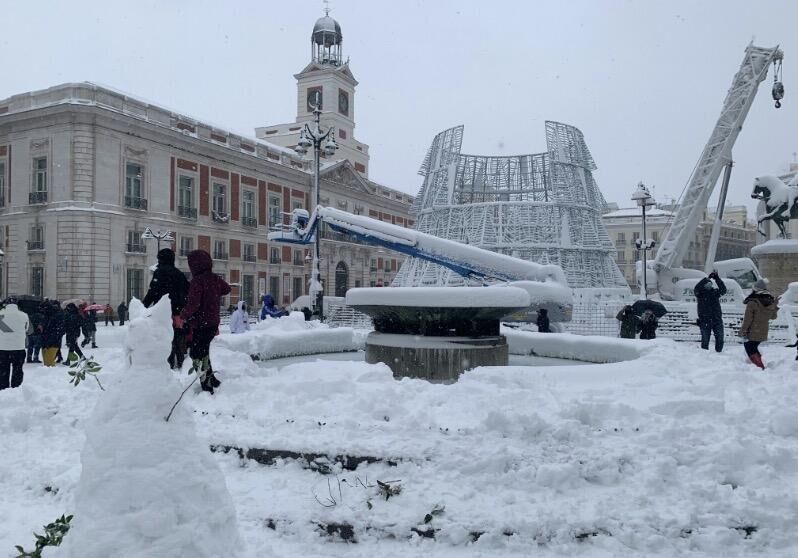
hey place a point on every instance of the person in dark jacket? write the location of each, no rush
(89, 326)
(710, 315)
(630, 322)
(121, 311)
(53, 332)
(201, 313)
(73, 323)
(168, 280)
(760, 308)
(648, 325)
(35, 336)
(543, 321)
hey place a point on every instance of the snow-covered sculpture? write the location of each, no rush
(149, 487)
(781, 201)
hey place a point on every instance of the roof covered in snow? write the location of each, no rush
(637, 212)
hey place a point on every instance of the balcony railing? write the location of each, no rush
(219, 217)
(249, 221)
(137, 248)
(136, 203)
(36, 245)
(219, 255)
(37, 197)
(249, 258)
(187, 212)
(2, 201)
(186, 251)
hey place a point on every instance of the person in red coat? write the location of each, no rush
(201, 313)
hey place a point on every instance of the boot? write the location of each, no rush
(213, 380)
(756, 358)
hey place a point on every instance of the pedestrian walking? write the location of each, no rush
(89, 326)
(53, 332)
(648, 325)
(121, 311)
(543, 321)
(630, 322)
(35, 335)
(109, 314)
(239, 321)
(73, 323)
(760, 308)
(710, 315)
(12, 344)
(168, 280)
(202, 314)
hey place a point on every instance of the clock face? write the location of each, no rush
(314, 98)
(343, 102)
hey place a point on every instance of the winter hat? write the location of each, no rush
(761, 285)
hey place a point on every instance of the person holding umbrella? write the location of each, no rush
(630, 322)
(650, 311)
(710, 315)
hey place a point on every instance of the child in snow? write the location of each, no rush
(239, 321)
(760, 308)
(648, 325)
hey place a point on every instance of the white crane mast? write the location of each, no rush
(716, 155)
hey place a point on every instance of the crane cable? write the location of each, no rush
(778, 86)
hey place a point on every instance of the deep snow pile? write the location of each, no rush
(148, 487)
(573, 347)
(289, 336)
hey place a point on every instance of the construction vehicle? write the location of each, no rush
(672, 281)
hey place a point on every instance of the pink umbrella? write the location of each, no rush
(95, 307)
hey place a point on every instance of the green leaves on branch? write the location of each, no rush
(53, 535)
(79, 369)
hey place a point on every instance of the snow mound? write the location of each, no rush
(290, 336)
(439, 297)
(776, 246)
(149, 487)
(573, 347)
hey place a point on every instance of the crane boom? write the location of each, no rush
(716, 154)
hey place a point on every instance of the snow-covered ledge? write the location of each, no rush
(585, 348)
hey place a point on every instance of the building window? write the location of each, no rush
(297, 287)
(341, 133)
(274, 288)
(36, 241)
(219, 249)
(373, 266)
(655, 236)
(37, 281)
(248, 289)
(621, 239)
(249, 253)
(635, 237)
(135, 243)
(185, 197)
(274, 255)
(2, 183)
(274, 211)
(40, 174)
(219, 213)
(186, 245)
(298, 259)
(248, 218)
(135, 283)
(134, 186)
(621, 258)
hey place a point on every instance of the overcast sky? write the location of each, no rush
(643, 80)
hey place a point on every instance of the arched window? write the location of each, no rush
(341, 279)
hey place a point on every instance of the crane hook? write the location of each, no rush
(778, 86)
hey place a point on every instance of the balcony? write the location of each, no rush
(136, 203)
(184, 252)
(249, 221)
(187, 212)
(249, 258)
(219, 255)
(136, 248)
(37, 197)
(219, 217)
(36, 245)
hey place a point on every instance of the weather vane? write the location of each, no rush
(326, 7)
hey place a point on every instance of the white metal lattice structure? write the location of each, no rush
(542, 207)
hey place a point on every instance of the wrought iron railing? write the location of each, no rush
(249, 257)
(36, 245)
(187, 212)
(219, 255)
(249, 221)
(137, 248)
(136, 203)
(37, 197)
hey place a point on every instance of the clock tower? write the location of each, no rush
(327, 82)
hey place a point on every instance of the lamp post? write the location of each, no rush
(168, 236)
(2, 273)
(319, 140)
(643, 199)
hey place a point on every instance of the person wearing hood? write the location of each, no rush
(201, 313)
(269, 309)
(239, 321)
(72, 326)
(543, 321)
(89, 326)
(630, 322)
(121, 311)
(15, 324)
(760, 308)
(168, 280)
(710, 315)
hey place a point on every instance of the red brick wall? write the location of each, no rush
(235, 277)
(286, 254)
(360, 167)
(234, 197)
(263, 251)
(248, 180)
(187, 165)
(204, 243)
(262, 204)
(286, 205)
(204, 190)
(219, 173)
(235, 248)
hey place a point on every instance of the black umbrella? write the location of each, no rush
(641, 306)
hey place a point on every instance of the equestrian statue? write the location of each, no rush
(781, 201)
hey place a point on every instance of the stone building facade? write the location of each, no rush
(85, 169)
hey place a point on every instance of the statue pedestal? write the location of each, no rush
(777, 261)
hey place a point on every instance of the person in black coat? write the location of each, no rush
(710, 315)
(89, 326)
(543, 321)
(168, 280)
(35, 337)
(73, 323)
(53, 331)
(121, 311)
(648, 325)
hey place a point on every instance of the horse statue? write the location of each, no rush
(781, 201)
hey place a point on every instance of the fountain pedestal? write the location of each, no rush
(437, 333)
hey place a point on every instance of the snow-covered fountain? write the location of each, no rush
(437, 333)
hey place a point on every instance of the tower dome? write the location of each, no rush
(326, 41)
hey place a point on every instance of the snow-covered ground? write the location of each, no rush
(678, 452)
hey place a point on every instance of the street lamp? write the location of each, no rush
(320, 141)
(2, 274)
(643, 199)
(168, 236)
